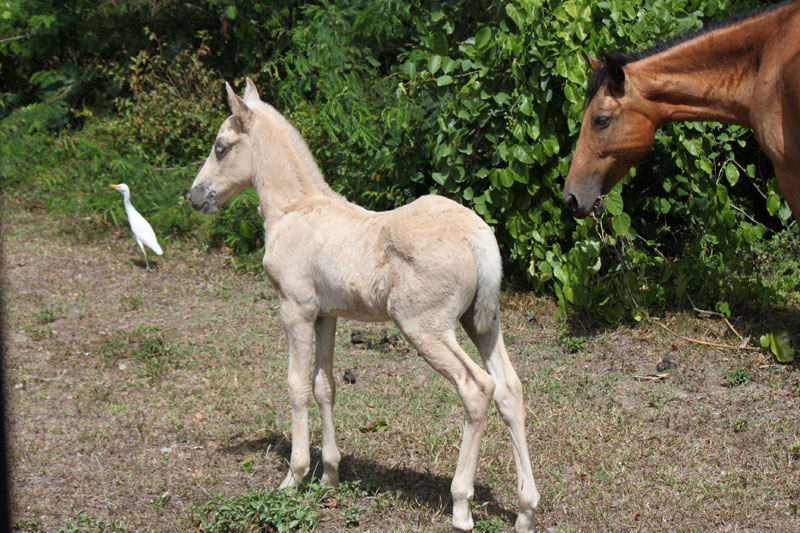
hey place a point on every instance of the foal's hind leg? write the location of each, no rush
(508, 397)
(325, 394)
(475, 387)
(299, 335)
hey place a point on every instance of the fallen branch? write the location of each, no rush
(653, 377)
(721, 315)
(707, 343)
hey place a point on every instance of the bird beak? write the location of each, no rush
(113, 186)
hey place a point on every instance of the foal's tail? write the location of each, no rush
(490, 272)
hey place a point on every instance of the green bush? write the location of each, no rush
(508, 82)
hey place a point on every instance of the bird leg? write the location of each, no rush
(146, 262)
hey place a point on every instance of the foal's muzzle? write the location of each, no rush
(202, 199)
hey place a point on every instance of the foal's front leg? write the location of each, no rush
(299, 335)
(325, 394)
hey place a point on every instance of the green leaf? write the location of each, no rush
(614, 203)
(773, 203)
(444, 80)
(621, 223)
(521, 154)
(765, 339)
(231, 12)
(507, 177)
(377, 427)
(434, 63)
(781, 346)
(482, 37)
(501, 98)
(439, 44)
(732, 173)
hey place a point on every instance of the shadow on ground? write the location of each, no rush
(413, 486)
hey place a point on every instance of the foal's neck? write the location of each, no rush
(286, 172)
(708, 78)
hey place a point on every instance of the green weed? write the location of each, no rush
(48, 314)
(247, 464)
(737, 376)
(145, 344)
(571, 343)
(282, 510)
(131, 302)
(83, 522)
(495, 525)
(28, 525)
(37, 333)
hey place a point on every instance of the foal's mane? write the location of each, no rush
(600, 77)
(298, 145)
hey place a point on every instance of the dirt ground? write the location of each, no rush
(134, 398)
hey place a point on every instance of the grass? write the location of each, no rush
(193, 428)
(144, 344)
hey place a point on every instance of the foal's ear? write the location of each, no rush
(616, 75)
(250, 91)
(593, 62)
(243, 114)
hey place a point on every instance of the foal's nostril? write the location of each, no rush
(571, 202)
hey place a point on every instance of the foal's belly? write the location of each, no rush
(360, 298)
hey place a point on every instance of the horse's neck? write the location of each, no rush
(283, 181)
(708, 78)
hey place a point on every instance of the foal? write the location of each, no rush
(427, 266)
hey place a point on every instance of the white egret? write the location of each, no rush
(139, 226)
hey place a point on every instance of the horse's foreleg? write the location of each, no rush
(299, 335)
(325, 394)
(789, 185)
(508, 398)
(475, 387)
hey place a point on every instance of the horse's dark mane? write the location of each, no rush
(600, 78)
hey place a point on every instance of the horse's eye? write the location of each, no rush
(221, 149)
(601, 121)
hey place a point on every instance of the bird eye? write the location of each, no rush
(601, 121)
(221, 150)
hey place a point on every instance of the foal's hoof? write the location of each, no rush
(524, 523)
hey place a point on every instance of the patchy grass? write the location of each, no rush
(157, 401)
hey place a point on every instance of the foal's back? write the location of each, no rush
(362, 263)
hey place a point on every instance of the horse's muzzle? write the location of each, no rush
(202, 199)
(583, 210)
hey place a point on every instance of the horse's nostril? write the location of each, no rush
(599, 206)
(571, 202)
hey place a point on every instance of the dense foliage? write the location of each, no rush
(475, 100)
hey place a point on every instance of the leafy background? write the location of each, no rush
(475, 100)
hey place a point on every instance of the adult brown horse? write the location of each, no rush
(745, 71)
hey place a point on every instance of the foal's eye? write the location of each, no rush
(221, 149)
(601, 121)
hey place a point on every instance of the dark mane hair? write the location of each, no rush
(600, 76)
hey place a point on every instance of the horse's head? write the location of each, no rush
(615, 134)
(229, 167)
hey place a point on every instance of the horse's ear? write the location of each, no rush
(593, 62)
(250, 91)
(616, 75)
(243, 114)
